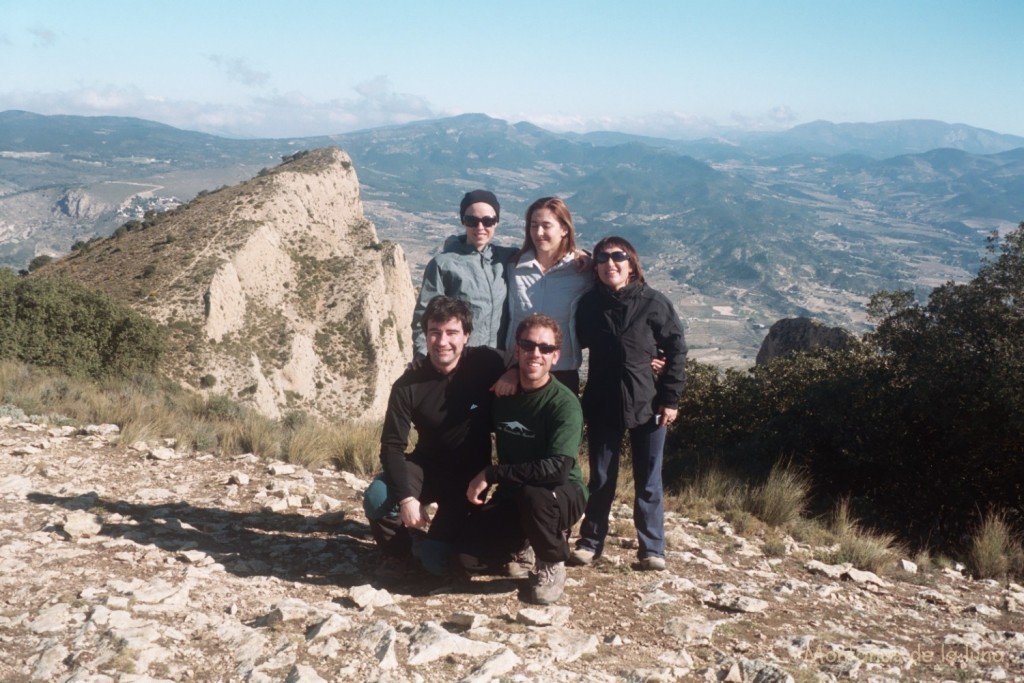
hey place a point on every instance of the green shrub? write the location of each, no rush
(921, 422)
(59, 324)
(39, 262)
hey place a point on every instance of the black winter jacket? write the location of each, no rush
(624, 331)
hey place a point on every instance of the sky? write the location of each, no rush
(671, 68)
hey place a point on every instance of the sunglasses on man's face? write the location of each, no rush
(605, 256)
(529, 345)
(474, 221)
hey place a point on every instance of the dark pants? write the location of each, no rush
(605, 444)
(570, 378)
(429, 485)
(542, 515)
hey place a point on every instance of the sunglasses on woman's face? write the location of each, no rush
(529, 345)
(605, 256)
(474, 221)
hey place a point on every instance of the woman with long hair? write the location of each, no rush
(546, 276)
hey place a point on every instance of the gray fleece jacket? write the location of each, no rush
(477, 277)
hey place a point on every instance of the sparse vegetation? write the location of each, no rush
(148, 409)
(781, 498)
(857, 546)
(38, 262)
(774, 546)
(995, 551)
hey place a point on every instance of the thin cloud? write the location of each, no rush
(43, 37)
(238, 70)
(375, 103)
(665, 124)
(776, 118)
(378, 99)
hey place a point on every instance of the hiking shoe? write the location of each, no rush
(521, 563)
(581, 557)
(547, 583)
(652, 563)
(393, 568)
(471, 563)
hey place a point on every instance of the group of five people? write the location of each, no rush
(499, 335)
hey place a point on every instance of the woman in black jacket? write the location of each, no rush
(626, 324)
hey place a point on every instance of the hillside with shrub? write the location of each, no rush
(918, 428)
(59, 324)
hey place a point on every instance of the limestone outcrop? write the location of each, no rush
(79, 204)
(794, 335)
(275, 291)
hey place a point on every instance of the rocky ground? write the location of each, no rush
(139, 563)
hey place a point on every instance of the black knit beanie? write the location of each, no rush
(485, 196)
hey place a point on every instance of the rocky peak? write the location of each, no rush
(794, 335)
(79, 204)
(275, 291)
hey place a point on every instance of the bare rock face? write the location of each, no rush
(794, 335)
(275, 291)
(80, 204)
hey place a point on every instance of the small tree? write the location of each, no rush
(39, 262)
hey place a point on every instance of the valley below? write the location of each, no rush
(739, 234)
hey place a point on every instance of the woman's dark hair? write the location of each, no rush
(441, 309)
(561, 211)
(636, 271)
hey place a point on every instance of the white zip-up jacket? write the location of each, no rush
(554, 293)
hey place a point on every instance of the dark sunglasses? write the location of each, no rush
(529, 345)
(473, 221)
(605, 256)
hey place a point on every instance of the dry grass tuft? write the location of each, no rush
(259, 434)
(355, 447)
(782, 498)
(866, 550)
(995, 552)
(309, 444)
(712, 490)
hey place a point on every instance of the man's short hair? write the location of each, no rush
(540, 320)
(441, 309)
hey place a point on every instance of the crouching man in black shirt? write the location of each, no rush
(448, 401)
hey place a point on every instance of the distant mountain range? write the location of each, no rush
(876, 140)
(739, 231)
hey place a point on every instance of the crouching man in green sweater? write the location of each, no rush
(540, 492)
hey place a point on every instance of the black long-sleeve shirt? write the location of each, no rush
(451, 414)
